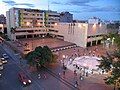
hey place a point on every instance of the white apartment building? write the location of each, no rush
(29, 23)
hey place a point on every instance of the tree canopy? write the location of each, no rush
(111, 63)
(40, 56)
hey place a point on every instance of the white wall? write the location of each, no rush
(96, 29)
(73, 33)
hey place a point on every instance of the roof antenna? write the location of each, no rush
(48, 5)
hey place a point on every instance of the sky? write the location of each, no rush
(81, 9)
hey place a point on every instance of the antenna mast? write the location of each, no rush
(48, 5)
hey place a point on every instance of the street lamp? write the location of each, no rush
(63, 58)
(63, 62)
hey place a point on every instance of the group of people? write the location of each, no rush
(40, 76)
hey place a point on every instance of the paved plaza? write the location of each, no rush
(28, 45)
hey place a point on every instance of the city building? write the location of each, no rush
(119, 30)
(82, 34)
(66, 17)
(2, 19)
(30, 23)
(3, 28)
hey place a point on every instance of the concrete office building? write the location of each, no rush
(3, 27)
(82, 34)
(2, 19)
(30, 23)
(66, 17)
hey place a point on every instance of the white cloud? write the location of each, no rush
(3, 8)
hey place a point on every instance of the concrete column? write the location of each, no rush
(25, 36)
(91, 43)
(96, 42)
(39, 35)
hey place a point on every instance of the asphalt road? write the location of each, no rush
(9, 79)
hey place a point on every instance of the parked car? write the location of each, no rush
(5, 56)
(3, 60)
(1, 65)
(24, 79)
(0, 74)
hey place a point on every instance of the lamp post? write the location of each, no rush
(63, 59)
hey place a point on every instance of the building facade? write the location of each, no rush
(33, 23)
(66, 17)
(3, 28)
(30, 23)
(82, 34)
(2, 19)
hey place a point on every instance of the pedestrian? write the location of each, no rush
(64, 72)
(74, 71)
(86, 74)
(45, 76)
(76, 84)
(78, 50)
(59, 74)
(81, 77)
(39, 76)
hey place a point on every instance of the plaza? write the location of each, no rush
(59, 45)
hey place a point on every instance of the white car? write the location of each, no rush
(5, 56)
(3, 60)
(1, 65)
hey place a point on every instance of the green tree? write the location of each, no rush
(47, 54)
(32, 58)
(111, 64)
(40, 56)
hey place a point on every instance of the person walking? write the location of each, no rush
(39, 76)
(45, 76)
(76, 84)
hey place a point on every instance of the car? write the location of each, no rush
(3, 60)
(0, 74)
(24, 79)
(1, 65)
(5, 56)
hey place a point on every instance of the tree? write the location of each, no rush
(40, 56)
(31, 56)
(47, 54)
(111, 63)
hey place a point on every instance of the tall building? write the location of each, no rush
(30, 23)
(2, 19)
(66, 17)
(3, 27)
